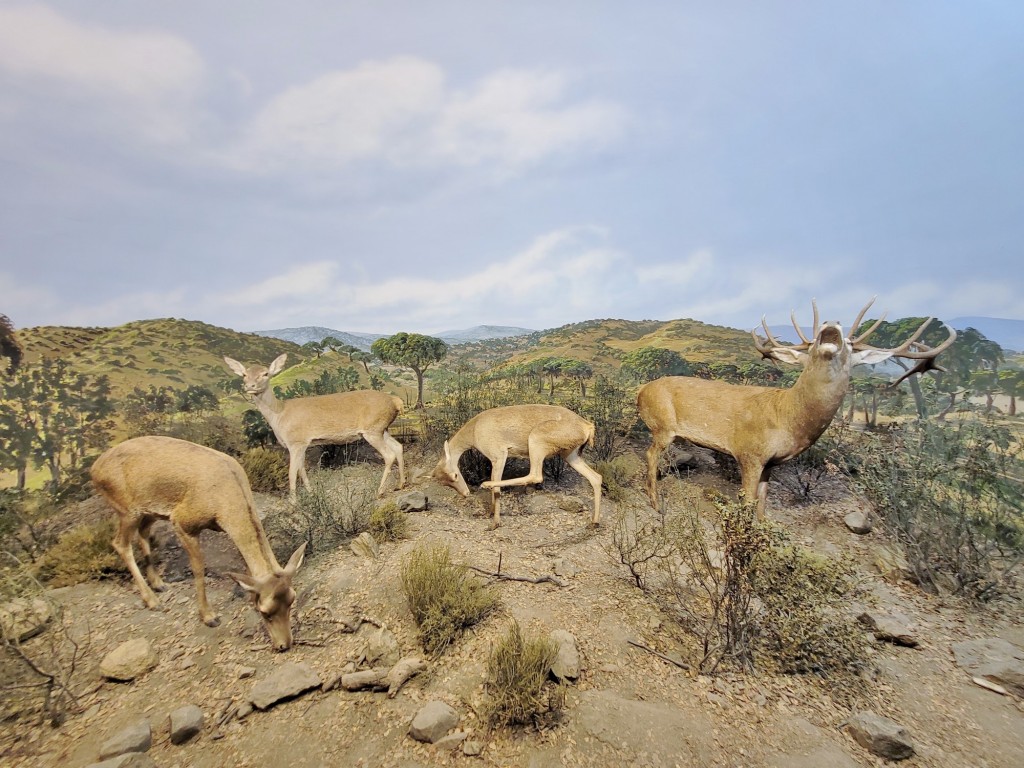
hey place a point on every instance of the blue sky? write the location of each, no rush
(418, 166)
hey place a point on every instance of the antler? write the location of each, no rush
(805, 343)
(912, 349)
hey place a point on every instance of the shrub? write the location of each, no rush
(612, 409)
(517, 679)
(444, 598)
(388, 522)
(80, 554)
(616, 475)
(266, 469)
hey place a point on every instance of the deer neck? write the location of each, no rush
(251, 542)
(818, 393)
(270, 407)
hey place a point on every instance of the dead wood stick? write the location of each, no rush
(530, 579)
(669, 659)
(401, 672)
(375, 678)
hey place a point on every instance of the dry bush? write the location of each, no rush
(444, 598)
(616, 477)
(388, 522)
(266, 469)
(518, 672)
(81, 554)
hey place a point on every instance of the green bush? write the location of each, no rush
(388, 523)
(616, 475)
(518, 671)
(444, 598)
(81, 554)
(266, 469)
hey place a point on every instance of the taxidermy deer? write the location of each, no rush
(764, 426)
(342, 417)
(520, 431)
(196, 488)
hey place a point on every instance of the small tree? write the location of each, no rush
(650, 363)
(10, 347)
(411, 350)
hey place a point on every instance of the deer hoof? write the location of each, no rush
(212, 621)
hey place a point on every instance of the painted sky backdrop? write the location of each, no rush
(423, 166)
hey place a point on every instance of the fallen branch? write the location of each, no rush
(529, 579)
(389, 679)
(669, 659)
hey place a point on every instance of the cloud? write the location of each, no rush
(401, 113)
(144, 77)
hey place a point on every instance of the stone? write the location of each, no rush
(185, 722)
(880, 735)
(890, 627)
(993, 659)
(246, 672)
(364, 545)
(566, 665)
(286, 682)
(413, 501)
(858, 522)
(129, 660)
(243, 710)
(452, 740)
(565, 568)
(892, 564)
(472, 748)
(136, 737)
(24, 618)
(129, 760)
(382, 648)
(433, 722)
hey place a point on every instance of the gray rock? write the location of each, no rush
(433, 722)
(23, 618)
(993, 659)
(246, 672)
(452, 740)
(566, 665)
(472, 748)
(892, 564)
(286, 682)
(243, 710)
(185, 722)
(137, 737)
(413, 501)
(129, 660)
(890, 627)
(881, 736)
(382, 648)
(130, 760)
(565, 568)
(364, 545)
(858, 522)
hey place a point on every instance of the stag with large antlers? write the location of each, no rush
(196, 488)
(338, 418)
(524, 431)
(764, 426)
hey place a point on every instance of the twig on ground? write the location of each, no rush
(669, 659)
(530, 579)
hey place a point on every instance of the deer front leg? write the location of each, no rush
(381, 446)
(122, 543)
(754, 476)
(658, 445)
(576, 462)
(497, 469)
(296, 468)
(146, 546)
(195, 558)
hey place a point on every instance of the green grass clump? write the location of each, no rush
(267, 470)
(517, 679)
(82, 554)
(444, 598)
(388, 523)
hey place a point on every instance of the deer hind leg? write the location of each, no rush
(195, 558)
(576, 461)
(146, 547)
(127, 531)
(386, 451)
(661, 441)
(399, 451)
(497, 470)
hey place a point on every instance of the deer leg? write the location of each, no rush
(122, 543)
(576, 462)
(762, 491)
(754, 476)
(380, 445)
(146, 546)
(399, 451)
(497, 469)
(296, 467)
(538, 452)
(660, 442)
(195, 557)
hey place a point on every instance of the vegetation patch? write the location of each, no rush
(518, 687)
(445, 599)
(266, 469)
(388, 522)
(82, 554)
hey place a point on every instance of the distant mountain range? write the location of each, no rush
(308, 333)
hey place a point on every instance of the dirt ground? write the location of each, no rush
(629, 707)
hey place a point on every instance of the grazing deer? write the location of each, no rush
(764, 426)
(520, 431)
(196, 489)
(342, 417)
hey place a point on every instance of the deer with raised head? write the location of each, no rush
(764, 426)
(335, 419)
(196, 488)
(520, 431)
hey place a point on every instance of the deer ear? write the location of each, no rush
(246, 582)
(295, 561)
(870, 356)
(447, 453)
(235, 366)
(789, 355)
(278, 365)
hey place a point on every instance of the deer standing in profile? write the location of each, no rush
(196, 488)
(764, 426)
(520, 431)
(338, 418)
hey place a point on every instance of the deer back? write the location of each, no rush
(338, 416)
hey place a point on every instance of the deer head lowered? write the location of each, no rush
(519, 431)
(341, 417)
(196, 488)
(764, 426)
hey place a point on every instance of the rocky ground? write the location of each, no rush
(628, 707)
